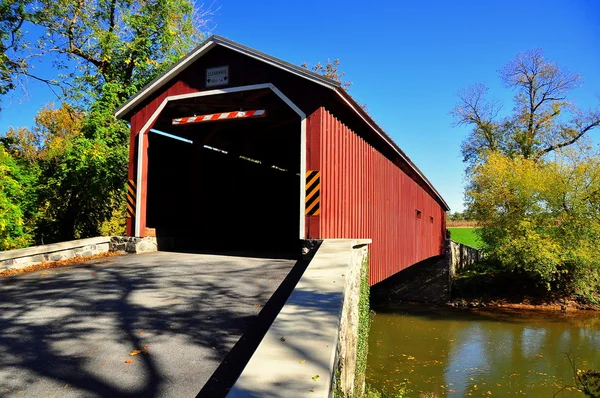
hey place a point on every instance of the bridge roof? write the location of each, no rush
(123, 112)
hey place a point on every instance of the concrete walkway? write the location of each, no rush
(69, 331)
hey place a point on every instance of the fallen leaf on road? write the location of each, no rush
(55, 264)
(141, 332)
(302, 361)
(315, 377)
(128, 361)
(135, 352)
(282, 338)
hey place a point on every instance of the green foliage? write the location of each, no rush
(107, 50)
(79, 192)
(116, 41)
(16, 210)
(12, 16)
(116, 224)
(458, 216)
(364, 325)
(533, 178)
(589, 382)
(371, 392)
(82, 166)
(466, 236)
(541, 218)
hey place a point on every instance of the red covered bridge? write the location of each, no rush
(234, 146)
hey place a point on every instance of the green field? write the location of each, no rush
(466, 236)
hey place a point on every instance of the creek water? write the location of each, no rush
(439, 352)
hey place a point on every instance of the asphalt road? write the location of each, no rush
(68, 332)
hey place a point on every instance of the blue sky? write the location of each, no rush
(407, 60)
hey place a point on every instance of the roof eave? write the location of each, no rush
(202, 49)
(159, 81)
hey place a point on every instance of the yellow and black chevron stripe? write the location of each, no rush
(131, 189)
(313, 193)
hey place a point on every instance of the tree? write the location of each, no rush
(16, 202)
(542, 121)
(541, 218)
(119, 46)
(79, 182)
(53, 130)
(12, 17)
(117, 42)
(330, 70)
(533, 176)
(106, 51)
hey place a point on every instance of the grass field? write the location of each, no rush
(466, 236)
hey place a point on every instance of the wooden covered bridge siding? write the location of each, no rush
(369, 188)
(365, 195)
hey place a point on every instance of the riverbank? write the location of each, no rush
(564, 305)
(496, 289)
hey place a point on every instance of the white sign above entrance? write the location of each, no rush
(218, 76)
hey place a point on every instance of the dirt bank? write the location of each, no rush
(528, 303)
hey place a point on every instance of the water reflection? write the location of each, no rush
(459, 353)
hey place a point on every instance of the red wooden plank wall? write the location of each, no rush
(364, 195)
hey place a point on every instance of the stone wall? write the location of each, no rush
(427, 281)
(23, 258)
(461, 256)
(133, 245)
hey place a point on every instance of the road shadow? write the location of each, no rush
(69, 331)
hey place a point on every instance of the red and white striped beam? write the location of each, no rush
(215, 117)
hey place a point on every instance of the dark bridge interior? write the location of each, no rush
(236, 186)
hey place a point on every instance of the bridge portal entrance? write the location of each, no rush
(224, 172)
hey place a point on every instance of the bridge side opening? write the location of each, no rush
(231, 181)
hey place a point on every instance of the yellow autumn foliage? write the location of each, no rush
(541, 217)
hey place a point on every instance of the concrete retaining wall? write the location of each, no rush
(23, 258)
(314, 336)
(348, 331)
